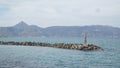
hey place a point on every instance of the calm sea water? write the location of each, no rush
(46, 57)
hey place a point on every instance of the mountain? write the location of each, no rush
(21, 24)
(20, 29)
(77, 31)
(24, 30)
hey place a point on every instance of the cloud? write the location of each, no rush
(60, 12)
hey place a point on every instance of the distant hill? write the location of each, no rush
(24, 30)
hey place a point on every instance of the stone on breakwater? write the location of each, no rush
(83, 47)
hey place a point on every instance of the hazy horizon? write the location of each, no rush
(57, 25)
(46, 13)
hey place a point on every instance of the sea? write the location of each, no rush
(12, 56)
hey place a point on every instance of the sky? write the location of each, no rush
(45, 13)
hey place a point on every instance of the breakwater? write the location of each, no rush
(83, 47)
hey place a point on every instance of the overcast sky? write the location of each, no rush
(46, 13)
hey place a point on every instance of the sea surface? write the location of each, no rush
(12, 56)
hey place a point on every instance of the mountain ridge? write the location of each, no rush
(24, 30)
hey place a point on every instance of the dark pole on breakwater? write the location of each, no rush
(85, 38)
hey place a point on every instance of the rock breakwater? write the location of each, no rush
(82, 47)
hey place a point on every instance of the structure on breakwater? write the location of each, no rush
(83, 47)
